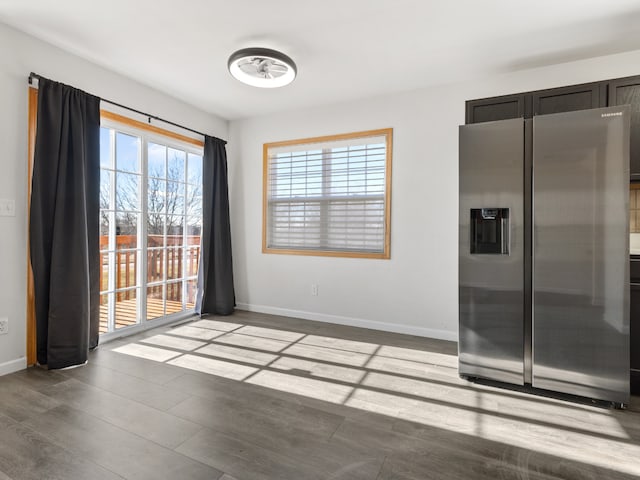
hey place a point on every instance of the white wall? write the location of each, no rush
(415, 291)
(19, 55)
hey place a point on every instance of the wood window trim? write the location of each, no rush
(31, 136)
(121, 119)
(386, 254)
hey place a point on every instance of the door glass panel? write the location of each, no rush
(104, 313)
(126, 268)
(126, 230)
(104, 271)
(105, 147)
(156, 160)
(105, 221)
(192, 289)
(156, 195)
(194, 167)
(126, 308)
(155, 264)
(105, 189)
(155, 301)
(194, 200)
(127, 153)
(191, 259)
(175, 230)
(127, 192)
(155, 230)
(174, 263)
(174, 297)
(176, 165)
(194, 230)
(175, 198)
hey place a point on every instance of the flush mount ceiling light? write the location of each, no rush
(262, 67)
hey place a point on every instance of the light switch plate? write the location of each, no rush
(7, 207)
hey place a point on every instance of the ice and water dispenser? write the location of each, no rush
(490, 231)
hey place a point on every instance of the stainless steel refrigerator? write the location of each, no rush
(544, 253)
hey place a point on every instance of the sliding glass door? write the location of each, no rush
(173, 218)
(151, 217)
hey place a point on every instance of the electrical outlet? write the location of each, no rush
(7, 207)
(4, 325)
(314, 289)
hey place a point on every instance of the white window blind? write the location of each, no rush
(328, 195)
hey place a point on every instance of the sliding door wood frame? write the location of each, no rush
(31, 304)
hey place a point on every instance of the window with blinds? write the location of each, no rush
(328, 195)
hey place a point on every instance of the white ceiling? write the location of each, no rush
(344, 49)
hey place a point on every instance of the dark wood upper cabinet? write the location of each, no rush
(626, 91)
(496, 108)
(542, 102)
(634, 335)
(621, 91)
(569, 99)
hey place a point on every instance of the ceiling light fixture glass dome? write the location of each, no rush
(262, 67)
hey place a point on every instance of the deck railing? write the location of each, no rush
(171, 259)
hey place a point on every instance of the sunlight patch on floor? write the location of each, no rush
(216, 325)
(321, 370)
(213, 367)
(328, 355)
(196, 332)
(174, 342)
(421, 356)
(262, 332)
(146, 352)
(408, 386)
(257, 343)
(417, 386)
(238, 354)
(340, 344)
(309, 387)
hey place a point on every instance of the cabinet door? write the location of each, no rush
(569, 99)
(496, 108)
(634, 324)
(626, 91)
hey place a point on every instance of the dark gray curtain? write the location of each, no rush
(215, 275)
(64, 225)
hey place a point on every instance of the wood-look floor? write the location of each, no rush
(254, 396)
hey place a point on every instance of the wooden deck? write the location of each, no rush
(127, 312)
(178, 261)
